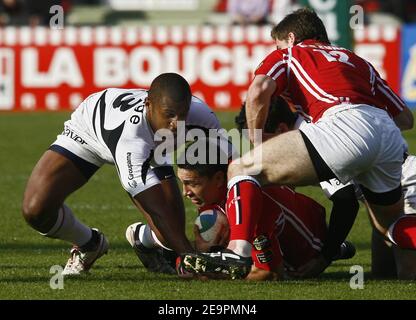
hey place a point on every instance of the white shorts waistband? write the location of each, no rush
(347, 106)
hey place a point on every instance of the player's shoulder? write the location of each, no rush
(198, 105)
(275, 55)
(195, 101)
(111, 94)
(271, 61)
(313, 49)
(114, 93)
(280, 193)
(317, 45)
(201, 115)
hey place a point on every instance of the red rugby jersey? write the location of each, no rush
(315, 77)
(294, 223)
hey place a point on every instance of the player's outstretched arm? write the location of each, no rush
(258, 102)
(163, 208)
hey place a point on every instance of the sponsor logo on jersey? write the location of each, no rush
(71, 134)
(261, 242)
(133, 184)
(130, 166)
(135, 119)
(125, 104)
(264, 257)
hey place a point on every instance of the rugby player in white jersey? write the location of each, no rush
(116, 126)
(386, 262)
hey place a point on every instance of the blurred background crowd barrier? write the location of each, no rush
(49, 64)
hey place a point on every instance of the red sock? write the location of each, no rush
(266, 253)
(244, 206)
(403, 232)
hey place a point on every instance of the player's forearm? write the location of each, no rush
(172, 232)
(167, 224)
(174, 199)
(258, 103)
(256, 114)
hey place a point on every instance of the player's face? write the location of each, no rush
(167, 117)
(202, 190)
(281, 44)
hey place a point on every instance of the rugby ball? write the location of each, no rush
(210, 222)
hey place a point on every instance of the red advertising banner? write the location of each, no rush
(46, 69)
(49, 69)
(381, 45)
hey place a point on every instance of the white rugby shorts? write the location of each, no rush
(360, 143)
(76, 138)
(76, 144)
(409, 184)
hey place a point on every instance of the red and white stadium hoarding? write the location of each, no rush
(47, 69)
(381, 45)
(56, 69)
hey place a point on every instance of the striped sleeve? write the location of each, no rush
(275, 66)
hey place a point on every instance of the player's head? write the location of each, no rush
(280, 118)
(202, 169)
(168, 101)
(300, 25)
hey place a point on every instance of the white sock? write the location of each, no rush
(69, 228)
(240, 247)
(148, 238)
(145, 237)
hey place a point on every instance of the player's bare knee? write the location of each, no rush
(28, 209)
(245, 166)
(33, 210)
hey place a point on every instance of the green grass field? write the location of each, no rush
(26, 257)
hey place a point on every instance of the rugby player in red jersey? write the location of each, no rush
(290, 232)
(353, 136)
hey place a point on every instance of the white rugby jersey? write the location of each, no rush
(408, 182)
(114, 126)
